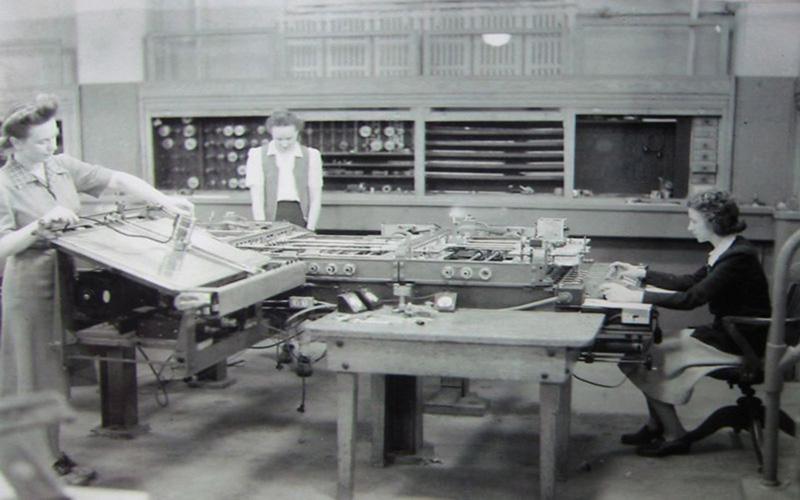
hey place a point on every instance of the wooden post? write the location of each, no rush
(378, 417)
(347, 388)
(554, 412)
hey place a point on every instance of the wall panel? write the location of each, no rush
(764, 138)
(110, 121)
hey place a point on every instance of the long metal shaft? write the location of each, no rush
(776, 346)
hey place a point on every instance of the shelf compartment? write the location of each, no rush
(368, 165)
(365, 154)
(539, 176)
(498, 143)
(502, 132)
(367, 177)
(494, 156)
(545, 165)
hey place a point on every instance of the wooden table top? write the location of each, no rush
(474, 326)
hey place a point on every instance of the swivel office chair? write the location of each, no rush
(748, 412)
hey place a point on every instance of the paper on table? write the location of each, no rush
(608, 304)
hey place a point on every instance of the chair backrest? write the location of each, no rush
(751, 373)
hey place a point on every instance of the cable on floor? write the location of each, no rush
(597, 384)
(162, 384)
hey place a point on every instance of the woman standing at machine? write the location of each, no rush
(732, 283)
(284, 177)
(38, 190)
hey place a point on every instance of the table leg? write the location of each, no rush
(119, 394)
(378, 417)
(554, 413)
(403, 417)
(347, 388)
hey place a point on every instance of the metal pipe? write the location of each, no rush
(776, 346)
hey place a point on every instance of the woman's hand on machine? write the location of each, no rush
(178, 205)
(58, 215)
(55, 219)
(618, 293)
(623, 270)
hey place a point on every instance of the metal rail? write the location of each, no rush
(777, 358)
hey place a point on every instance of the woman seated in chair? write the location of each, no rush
(731, 283)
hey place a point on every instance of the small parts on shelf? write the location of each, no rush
(379, 136)
(519, 188)
(204, 152)
(361, 187)
(367, 151)
(364, 187)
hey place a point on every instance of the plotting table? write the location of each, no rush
(470, 343)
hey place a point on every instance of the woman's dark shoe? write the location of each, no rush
(642, 436)
(71, 473)
(661, 448)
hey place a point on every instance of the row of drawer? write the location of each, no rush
(703, 150)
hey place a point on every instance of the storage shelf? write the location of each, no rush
(498, 143)
(480, 156)
(458, 131)
(367, 176)
(535, 176)
(545, 165)
(369, 165)
(366, 154)
(491, 154)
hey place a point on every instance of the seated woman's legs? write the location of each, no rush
(667, 418)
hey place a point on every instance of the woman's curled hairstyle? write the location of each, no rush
(721, 211)
(21, 118)
(283, 118)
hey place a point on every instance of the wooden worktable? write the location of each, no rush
(470, 343)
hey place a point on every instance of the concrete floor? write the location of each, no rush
(248, 441)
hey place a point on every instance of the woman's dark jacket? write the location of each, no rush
(734, 286)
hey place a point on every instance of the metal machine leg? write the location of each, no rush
(119, 399)
(403, 418)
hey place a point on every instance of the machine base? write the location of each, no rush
(121, 432)
(754, 489)
(196, 383)
(423, 456)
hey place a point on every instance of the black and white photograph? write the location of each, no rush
(399, 249)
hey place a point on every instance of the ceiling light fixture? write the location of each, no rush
(496, 39)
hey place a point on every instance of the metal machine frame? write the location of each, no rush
(199, 299)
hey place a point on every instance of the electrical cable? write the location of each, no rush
(302, 407)
(307, 310)
(130, 235)
(162, 385)
(409, 299)
(597, 384)
(317, 307)
(275, 328)
(282, 341)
